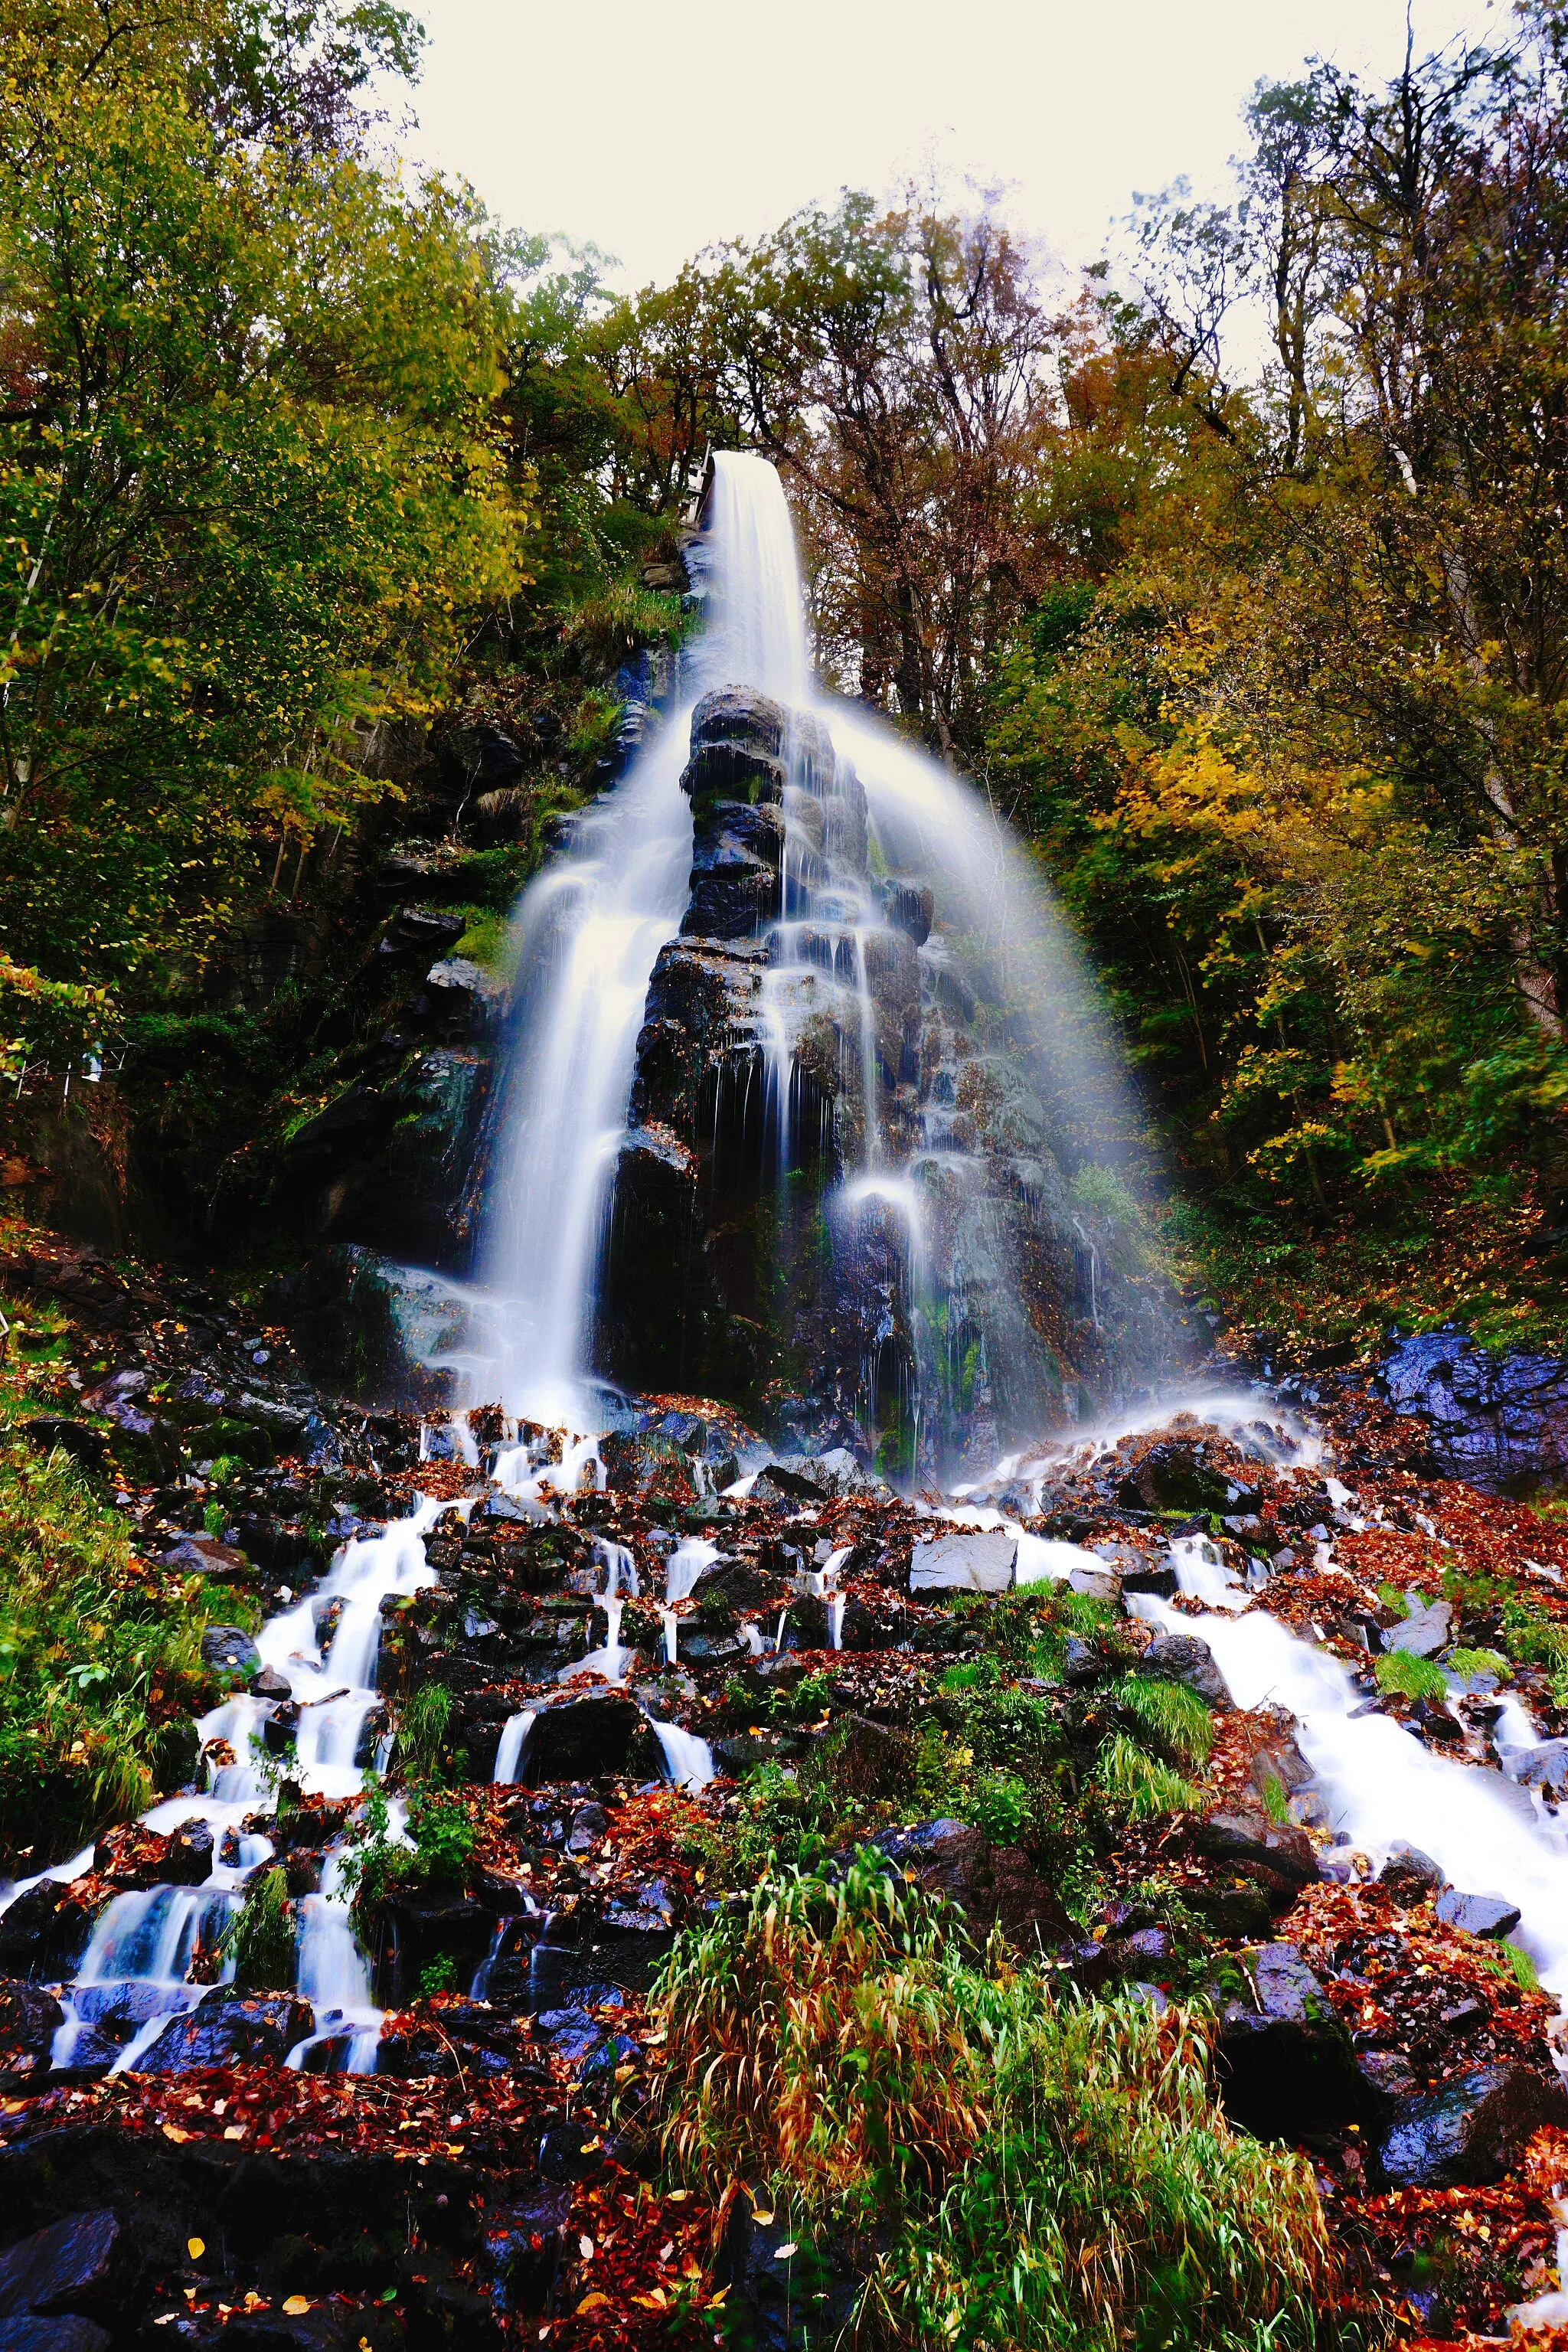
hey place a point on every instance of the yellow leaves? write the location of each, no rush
(195, 2248)
(296, 2304)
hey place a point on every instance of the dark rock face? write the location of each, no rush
(808, 1021)
(1499, 1420)
(1285, 2064)
(229, 1648)
(26, 2333)
(1472, 2130)
(373, 1328)
(579, 1738)
(28, 2019)
(81, 2264)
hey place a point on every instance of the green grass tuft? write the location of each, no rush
(1126, 1775)
(1402, 1674)
(1172, 1717)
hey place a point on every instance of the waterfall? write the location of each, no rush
(585, 935)
(885, 1024)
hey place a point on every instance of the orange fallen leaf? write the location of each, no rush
(594, 2301)
(172, 2131)
(295, 2304)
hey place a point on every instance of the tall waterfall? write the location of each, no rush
(939, 1153)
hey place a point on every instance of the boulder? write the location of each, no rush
(190, 1858)
(68, 2332)
(1472, 2131)
(88, 1447)
(29, 2018)
(82, 2265)
(972, 1561)
(229, 1650)
(1183, 1658)
(582, 1738)
(206, 1556)
(992, 1885)
(1423, 1632)
(1285, 2062)
(1477, 1914)
(228, 2029)
(1410, 1876)
(1252, 1838)
(44, 1931)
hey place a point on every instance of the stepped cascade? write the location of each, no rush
(810, 1105)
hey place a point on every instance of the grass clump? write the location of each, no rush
(435, 1851)
(1468, 1664)
(1170, 1717)
(1127, 1774)
(421, 1723)
(1107, 2203)
(1400, 1674)
(815, 2039)
(1007, 2171)
(99, 1675)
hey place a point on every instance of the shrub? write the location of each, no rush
(261, 1936)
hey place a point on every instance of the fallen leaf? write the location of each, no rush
(781, 2253)
(594, 2301)
(295, 2304)
(585, 2248)
(762, 2220)
(195, 2248)
(172, 2131)
(234, 2131)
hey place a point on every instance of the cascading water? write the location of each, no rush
(909, 1063)
(586, 936)
(137, 1974)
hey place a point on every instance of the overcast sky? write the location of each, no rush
(652, 132)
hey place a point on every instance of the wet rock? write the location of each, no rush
(68, 2332)
(524, 2245)
(582, 1738)
(1183, 1658)
(88, 1447)
(82, 2265)
(1387, 2075)
(418, 933)
(270, 1683)
(44, 1931)
(588, 1826)
(375, 1329)
(1252, 1838)
(1280, 1766)
(190, 1858)
(1493, 1419)
(1410, 1876)
(1082, 1664)
(737, 748)
(1285, 2061)
(992, 1885)
(29, 2018)
(911, 907)
(229, 1648)
(973, 1560)
(118, 1399)
(1544, 1767)
(1477, 1914)
(1472, 2131)
(229, 2029)
(1423, 1632)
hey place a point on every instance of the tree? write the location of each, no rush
(250, 481)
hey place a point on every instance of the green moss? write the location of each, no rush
(1407, 1677)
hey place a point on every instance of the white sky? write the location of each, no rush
(652, 132)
